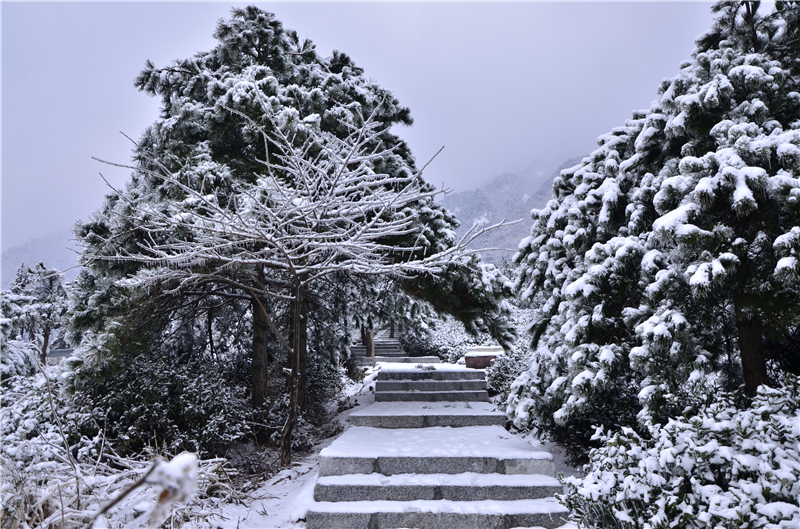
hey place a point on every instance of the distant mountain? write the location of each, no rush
(52, 250)
(510, 197)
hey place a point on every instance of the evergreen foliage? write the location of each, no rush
(34, 307)
(724, 467)
(203, 247)
(669, 256)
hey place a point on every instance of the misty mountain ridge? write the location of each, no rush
(52, 249)
(510, 197)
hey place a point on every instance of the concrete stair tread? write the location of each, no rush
(433, 396)
(538, 505)
(401, 368)
(402, 359)
(437, 514)
(473, 441)
(428, 408)
(469, 486)
(471, 479)
(430, 385)
(411, 371)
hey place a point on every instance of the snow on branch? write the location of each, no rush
(319, 207)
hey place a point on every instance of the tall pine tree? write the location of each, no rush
(668, 257)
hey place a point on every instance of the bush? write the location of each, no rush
(17, 359)
(417, 344)
(173, 403)
(724, 468)
(505, 369)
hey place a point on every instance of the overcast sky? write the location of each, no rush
(501, 86)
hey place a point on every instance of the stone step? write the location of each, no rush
(426, 414)
(454, 487)
(431, 396)
(437, 514)
(430, 385)
(440, 372)
(434, 450)
(366, 360)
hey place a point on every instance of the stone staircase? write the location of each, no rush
(431, 453)
(387, 350)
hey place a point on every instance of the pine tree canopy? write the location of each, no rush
(668, 258)
(228, 115)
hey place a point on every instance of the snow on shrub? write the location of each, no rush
(46, 485)
(17, 359)
(724, 468)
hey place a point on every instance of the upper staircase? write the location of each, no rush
(386, 350)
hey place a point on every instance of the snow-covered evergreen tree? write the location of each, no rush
(231, 120)
(34, 307)
(670, 254)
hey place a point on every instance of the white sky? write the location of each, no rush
(501, 86)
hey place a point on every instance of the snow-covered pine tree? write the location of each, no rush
(35, 305)
(669, 255)
(221, 114)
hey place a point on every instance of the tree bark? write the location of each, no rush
(367, 339)
(45, 344)
(751, 351)
(260, 356)
(372, 347)
(299, 325)
(300, 361)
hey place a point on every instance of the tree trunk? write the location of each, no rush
(299, 324)
(372, 347)
(369, 343)
(391, 329)
(260, 356)
(751, 351)
(45, 344)
(300, 361)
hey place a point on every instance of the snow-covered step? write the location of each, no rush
(431, 396)
(435, 450)
(360, 350)
(437, 514)
(401, 359)
(398, 371)
(456, 487)
(430, 385)
(426, 414)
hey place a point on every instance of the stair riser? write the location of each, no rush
(426, 421)
(430, 385)
(432, 396)
(432, 375)
(337, 493)
(418, 520)
(389, 466)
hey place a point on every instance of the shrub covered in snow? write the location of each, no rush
(17, 359)
(505, 369)
(722, 468)
(445, 337)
